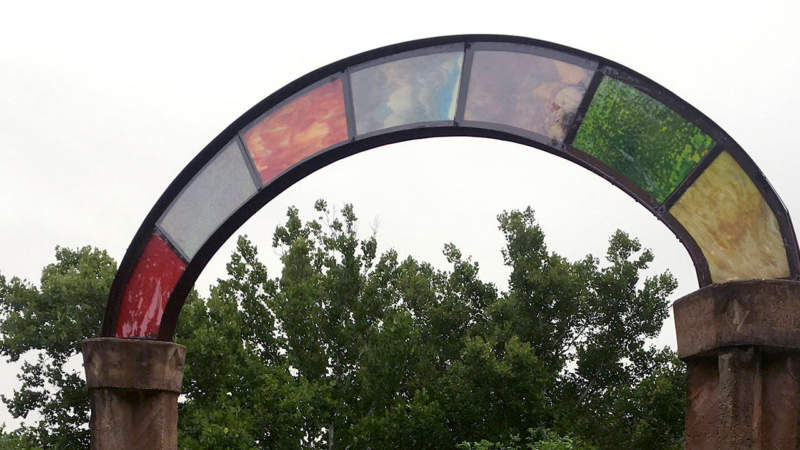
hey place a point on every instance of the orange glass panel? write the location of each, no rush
(733, 224)
(307, 124)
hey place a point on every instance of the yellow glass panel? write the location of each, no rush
(733, 224)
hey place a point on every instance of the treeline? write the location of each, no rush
(349, 348)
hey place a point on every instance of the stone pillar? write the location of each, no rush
(741, 345)
(134, 386)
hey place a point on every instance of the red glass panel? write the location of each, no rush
(148, 289)
(309, 123)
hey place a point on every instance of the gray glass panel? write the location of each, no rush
(219, 189)
(405, 91)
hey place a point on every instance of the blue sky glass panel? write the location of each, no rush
(416, 89)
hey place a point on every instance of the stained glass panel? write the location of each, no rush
(640, 138)
(525, 91)
(411, 90)
(219, 189)
(305, 125)
(733, 224)
(148, 290)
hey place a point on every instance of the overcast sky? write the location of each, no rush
(101, 106)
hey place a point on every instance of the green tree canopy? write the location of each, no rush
(352, 348)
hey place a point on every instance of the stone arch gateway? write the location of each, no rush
(738, 333)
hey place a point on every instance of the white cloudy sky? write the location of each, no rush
(102, 105)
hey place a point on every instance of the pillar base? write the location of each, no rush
(134, 386)
(741, 345)
(743, 398)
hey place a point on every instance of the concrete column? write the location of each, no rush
(134, 386)
(741, 344)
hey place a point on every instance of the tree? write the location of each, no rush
(347, 347)
(239, 392)
(16, 440)
(536, 439)
(48, 323)
(597, 320)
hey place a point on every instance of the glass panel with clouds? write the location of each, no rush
(411, 90)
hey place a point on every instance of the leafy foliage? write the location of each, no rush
(16, 440)
(50, 321)
(347, 347)
(536, 439)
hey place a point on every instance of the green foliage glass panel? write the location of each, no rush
(640, 138)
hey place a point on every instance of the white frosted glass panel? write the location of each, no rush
(219, 189)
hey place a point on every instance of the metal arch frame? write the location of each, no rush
(458, 127)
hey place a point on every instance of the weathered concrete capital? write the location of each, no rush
(134, 386)
(764, 313)
(133, 364)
